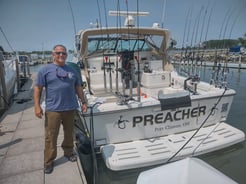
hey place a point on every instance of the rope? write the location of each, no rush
(94, 160)
(212, 110)
(5, 101)
(7, 40)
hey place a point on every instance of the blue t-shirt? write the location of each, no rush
(59, 83)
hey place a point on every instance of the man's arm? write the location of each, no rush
(37, 96)
(80, 93)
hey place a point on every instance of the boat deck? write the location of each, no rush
(22, 147)
(148, 152)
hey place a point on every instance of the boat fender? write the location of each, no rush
(84, 144)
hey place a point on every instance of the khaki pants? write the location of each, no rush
(53, 120)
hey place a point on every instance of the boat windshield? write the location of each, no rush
(114, 44)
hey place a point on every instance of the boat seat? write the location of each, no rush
(156, 79)
(154, 151)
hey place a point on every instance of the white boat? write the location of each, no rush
(24, 62)
(8, 79)
(185, 171)
(142, 112)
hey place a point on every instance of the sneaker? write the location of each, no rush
(72, 157)
(48, 169)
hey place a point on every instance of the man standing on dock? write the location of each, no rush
(61, 83)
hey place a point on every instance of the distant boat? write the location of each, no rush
(142, 112)
(8, 79)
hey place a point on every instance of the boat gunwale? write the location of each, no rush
(128, 108)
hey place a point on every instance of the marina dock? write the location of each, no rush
(22, 146)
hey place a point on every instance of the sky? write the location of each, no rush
(31, 25)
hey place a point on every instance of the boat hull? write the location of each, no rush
(10, 77)
(143, 120)
(141, 134)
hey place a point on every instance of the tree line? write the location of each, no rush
(226, 43)
(217, 44)
(46, 52)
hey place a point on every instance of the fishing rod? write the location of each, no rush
(224, 57)
(130, 82)
(233, 25)
(194, 34)
(196, 45)
(89, 136)
(185, 46)
(198, 33)
(201, 46)
(191, 52)
(200, 40)
(191, 42)
(235, 20)
(198, 48)
(188, 53)
(225, 69)
(217, 65)
(206, 34)
(208, 24)
(138, 59)
(104, 64)
(118, 22)
(105, 58)
(183, 58)
(95, 168)
(76, 45)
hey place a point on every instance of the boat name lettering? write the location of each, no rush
(169, 116)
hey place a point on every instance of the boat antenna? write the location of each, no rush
(71, 10)
(99, 14)
(163, 13)
(105, 13)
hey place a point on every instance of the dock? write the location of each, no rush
(22, 146)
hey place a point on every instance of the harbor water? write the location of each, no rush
(230, 161)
